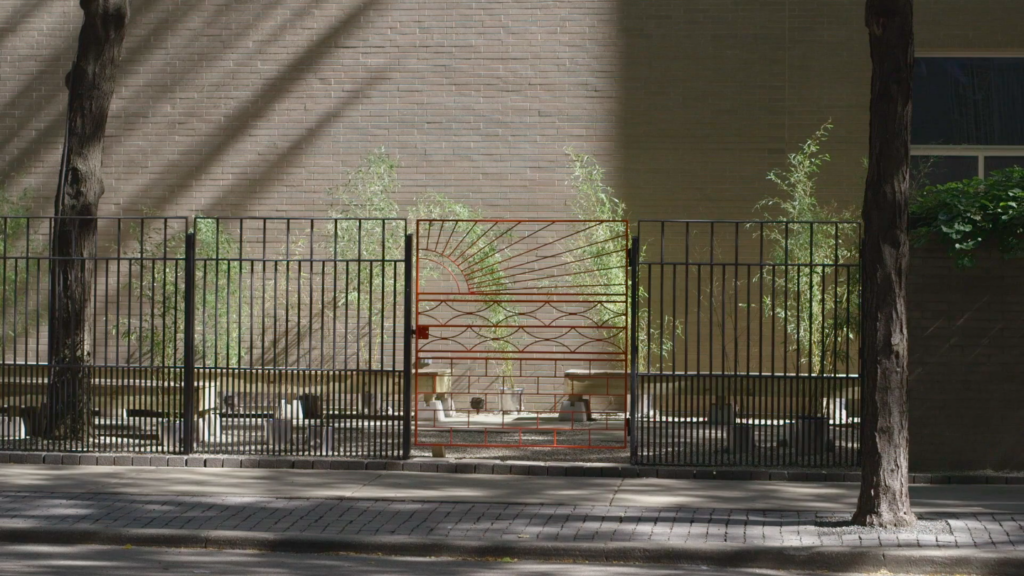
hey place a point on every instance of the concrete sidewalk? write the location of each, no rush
(426, 487)
(965, 529)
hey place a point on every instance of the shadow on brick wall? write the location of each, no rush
(966, 362)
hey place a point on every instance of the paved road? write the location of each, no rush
(106, 561)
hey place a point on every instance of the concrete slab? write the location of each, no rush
(74, 479)
(976, 498)
(476, 488)
(248, 482)
(381, 485)
(185, 481)
(810, 496)
(739, 495)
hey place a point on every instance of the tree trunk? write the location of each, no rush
(90, 85)
(884, 497)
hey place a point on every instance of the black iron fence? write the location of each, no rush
(746, 344)
(237, 335)
(292, 336)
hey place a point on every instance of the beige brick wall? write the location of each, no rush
(258, 108)
(714, 94)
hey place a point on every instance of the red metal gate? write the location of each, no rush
(521, 333)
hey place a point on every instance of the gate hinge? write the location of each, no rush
(422, 332)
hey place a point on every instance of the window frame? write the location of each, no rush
(968, 151)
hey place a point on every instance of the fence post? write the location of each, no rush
(634, 345)
(188, 393)
(407, 353)
(860, 348)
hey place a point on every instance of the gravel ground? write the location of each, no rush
(840, 525)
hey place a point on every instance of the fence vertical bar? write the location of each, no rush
(634, 345)
(407, 353)
(188, 392)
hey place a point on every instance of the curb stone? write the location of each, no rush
(480, 466)
(815, 559)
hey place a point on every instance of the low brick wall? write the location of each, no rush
(966, 362)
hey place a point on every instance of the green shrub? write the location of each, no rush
(964, 215)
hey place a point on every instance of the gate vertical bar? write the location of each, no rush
(407, 353)
(634, 345)
(188, 392)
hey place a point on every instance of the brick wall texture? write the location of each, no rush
(966, 376)
(258, 108)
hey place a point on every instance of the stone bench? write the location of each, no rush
(582, 385)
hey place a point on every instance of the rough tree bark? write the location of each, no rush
(90, 85)
(884, 497)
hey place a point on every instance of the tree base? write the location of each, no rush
(889, 521)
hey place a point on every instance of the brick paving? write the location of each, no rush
(488, 521)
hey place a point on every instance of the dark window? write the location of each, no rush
(936, 170)
(993, 163)
(968, 102)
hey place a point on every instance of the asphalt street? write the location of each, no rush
(137, 561)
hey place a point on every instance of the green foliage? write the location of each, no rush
(821, 308)
(366, 235)
(369, 193)
(964, 215)
(502, 317)
(366, 201)
(157, 334)
(15, 274)
(597, 258)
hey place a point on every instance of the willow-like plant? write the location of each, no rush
(369, 232)
(813, 255)
(17, 267)
(502, 316)
(156, 334)
(597, 259)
